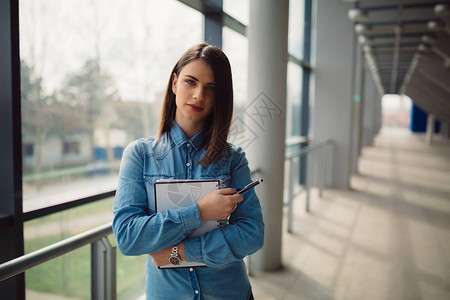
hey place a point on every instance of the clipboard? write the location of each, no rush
(176, 193)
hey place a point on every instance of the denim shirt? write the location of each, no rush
(139, 230)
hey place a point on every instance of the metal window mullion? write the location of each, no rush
(213, 25)
(98, 270)
(290, 215)
(103, 270)
(11, 237)
(110, 270)
(304, 130)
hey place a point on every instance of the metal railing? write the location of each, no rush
(320, 162)
(103, 260)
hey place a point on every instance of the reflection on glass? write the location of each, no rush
(237, 9)
(296, 25)
(93, 78)
(294, 91)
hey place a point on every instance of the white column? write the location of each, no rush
(332, 77)
(430, 129)
(265, 116)
(445, 130)
(378, 122)
(369, 110)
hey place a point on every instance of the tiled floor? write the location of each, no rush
(387, 238)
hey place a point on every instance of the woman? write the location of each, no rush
(191, 144)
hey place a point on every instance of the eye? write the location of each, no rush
(211, 88)
(190, 81)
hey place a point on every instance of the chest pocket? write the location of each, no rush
(225, 179)
(150, 187)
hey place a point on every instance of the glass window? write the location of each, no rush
(94, 74)
(71, 148)
(294, 92)
(235, 47)
(296, 24)
(238, 9)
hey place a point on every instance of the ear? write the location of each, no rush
(174, 83)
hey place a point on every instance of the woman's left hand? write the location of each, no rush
(161, 257)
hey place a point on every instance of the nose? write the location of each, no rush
(199, 93)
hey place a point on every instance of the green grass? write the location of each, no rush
(69, 275)
(97, 207)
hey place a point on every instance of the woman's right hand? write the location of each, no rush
(219, 204)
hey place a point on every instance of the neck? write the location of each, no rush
(189, 128)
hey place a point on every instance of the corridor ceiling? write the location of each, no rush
(406, 44)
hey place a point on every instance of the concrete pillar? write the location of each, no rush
(378, 112)
(265, 115)
(369, 111)
(430, 129)
(445, 130)
(332, 112)
(372, 110)
(357, 96)
(362, 104)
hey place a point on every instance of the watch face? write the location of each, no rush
(174, 260)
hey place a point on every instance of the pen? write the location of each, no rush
(249, 186)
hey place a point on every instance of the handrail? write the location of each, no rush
(27, 261)
(296, 140)
(290, 158)
(255, 171)
(307, 149)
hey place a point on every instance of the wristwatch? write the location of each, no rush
(175, 258)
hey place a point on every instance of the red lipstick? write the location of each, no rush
(195, 108)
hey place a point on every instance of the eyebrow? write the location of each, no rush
(190, 76)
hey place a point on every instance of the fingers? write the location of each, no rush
(238, 197)
(230, 203)
(235, 201)
(218, 205)
(231, 193)
(227, 191)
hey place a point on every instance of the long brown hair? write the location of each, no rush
(217, 124)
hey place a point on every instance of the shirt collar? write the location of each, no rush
(180, 138)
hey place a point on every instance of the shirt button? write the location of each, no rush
(196, 292)
(188, 164)
(191, 269)
(188, 145)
